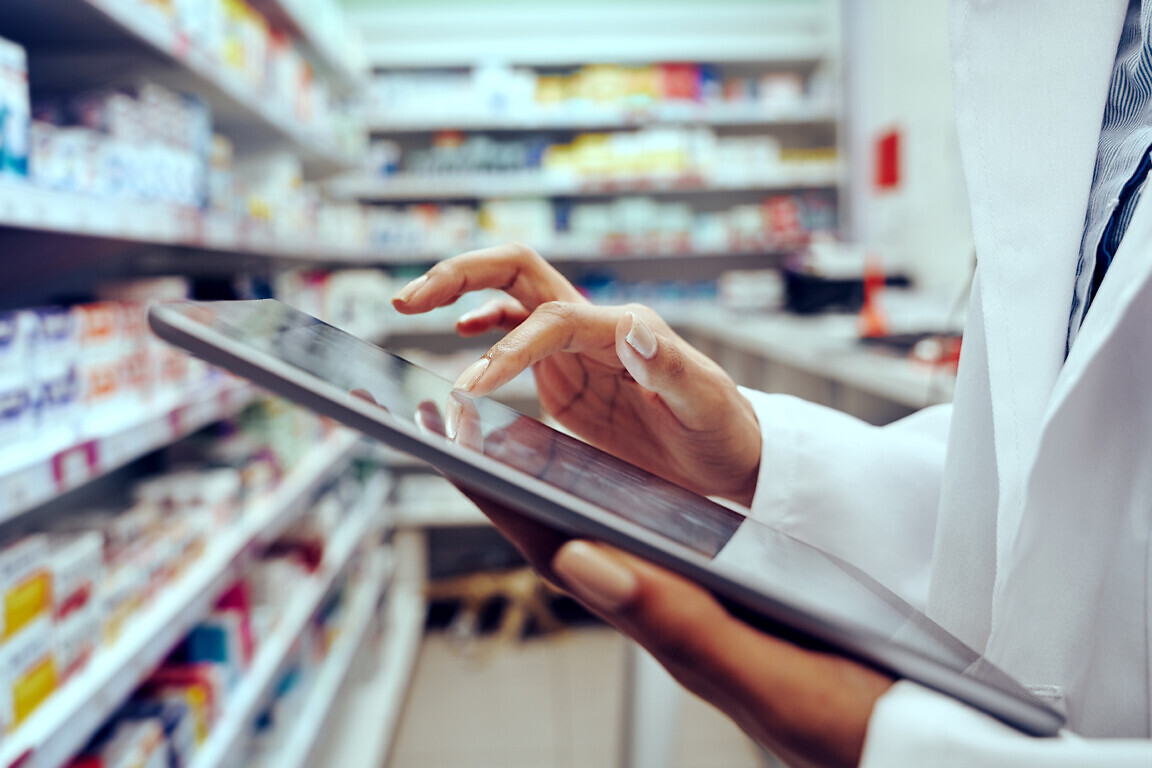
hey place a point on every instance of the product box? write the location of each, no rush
(76, 637)
(55, 375)
(102, 352)
(15, 110)
(17, 330)
(28, 673)
(25, 584)
(77, 563)
(201, 686)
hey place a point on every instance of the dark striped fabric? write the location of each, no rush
(1122, 159)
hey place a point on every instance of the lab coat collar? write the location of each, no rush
(1036, 73)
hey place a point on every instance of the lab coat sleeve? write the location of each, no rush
(866, 494)
(913, 727)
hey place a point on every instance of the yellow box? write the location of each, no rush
(28, 674)
(25, 584)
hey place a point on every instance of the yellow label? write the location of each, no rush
(31, 691)
(24, 603)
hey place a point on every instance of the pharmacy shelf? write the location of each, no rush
(127, 27)
(473, 186)
(29, 478)
(246, 702)
(368, 715)
(293, 16)
(26, 206)
(592, 118)
(318, 152)
(297, 751)
(61, 727)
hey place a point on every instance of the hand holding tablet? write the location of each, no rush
(794, 644)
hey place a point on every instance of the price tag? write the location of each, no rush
(76, 465)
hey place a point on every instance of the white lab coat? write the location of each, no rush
(1021, 516)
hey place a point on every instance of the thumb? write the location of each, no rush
(684, 381)
(683, 626)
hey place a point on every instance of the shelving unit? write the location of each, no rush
(62, 726)
(246, 701)
(326, 49)
(140, 33)
(24, 206)
(27, 481)
(300, 747)
(362, 726)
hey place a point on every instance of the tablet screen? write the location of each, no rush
(793, 574)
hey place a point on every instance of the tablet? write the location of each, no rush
(764, 577)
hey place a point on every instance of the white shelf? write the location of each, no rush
(26, 481)
(26, 206)
(61, 727)
(369, 713)
(297, 750)
(588, 118)
(539, 184)
(235, 722)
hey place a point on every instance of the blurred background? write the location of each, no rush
(195, 573)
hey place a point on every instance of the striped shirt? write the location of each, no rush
(1123, 159)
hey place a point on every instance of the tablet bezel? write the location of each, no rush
(553, 506)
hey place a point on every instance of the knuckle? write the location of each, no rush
(557, 311)
(675, 367)
(522, 252)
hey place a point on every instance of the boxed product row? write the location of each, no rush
(143, 142)
(187, 698)
(502, 90)
(626, 225)
(652, 152)
(175, 711)
(72, 589)
(75, 585)
(71, 372)
(244, 45)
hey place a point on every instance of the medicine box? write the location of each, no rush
(27, 672)
(25, 584)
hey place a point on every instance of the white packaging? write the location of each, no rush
(76, 638)
(17, 330)
(77, 564)
(15, 110)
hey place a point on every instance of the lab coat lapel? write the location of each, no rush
(1031, 81)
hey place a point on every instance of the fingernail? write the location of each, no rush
(407, 292)
(452, 412)
(641, 338)
(594, 577)
(469, 316)
(471, 375)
